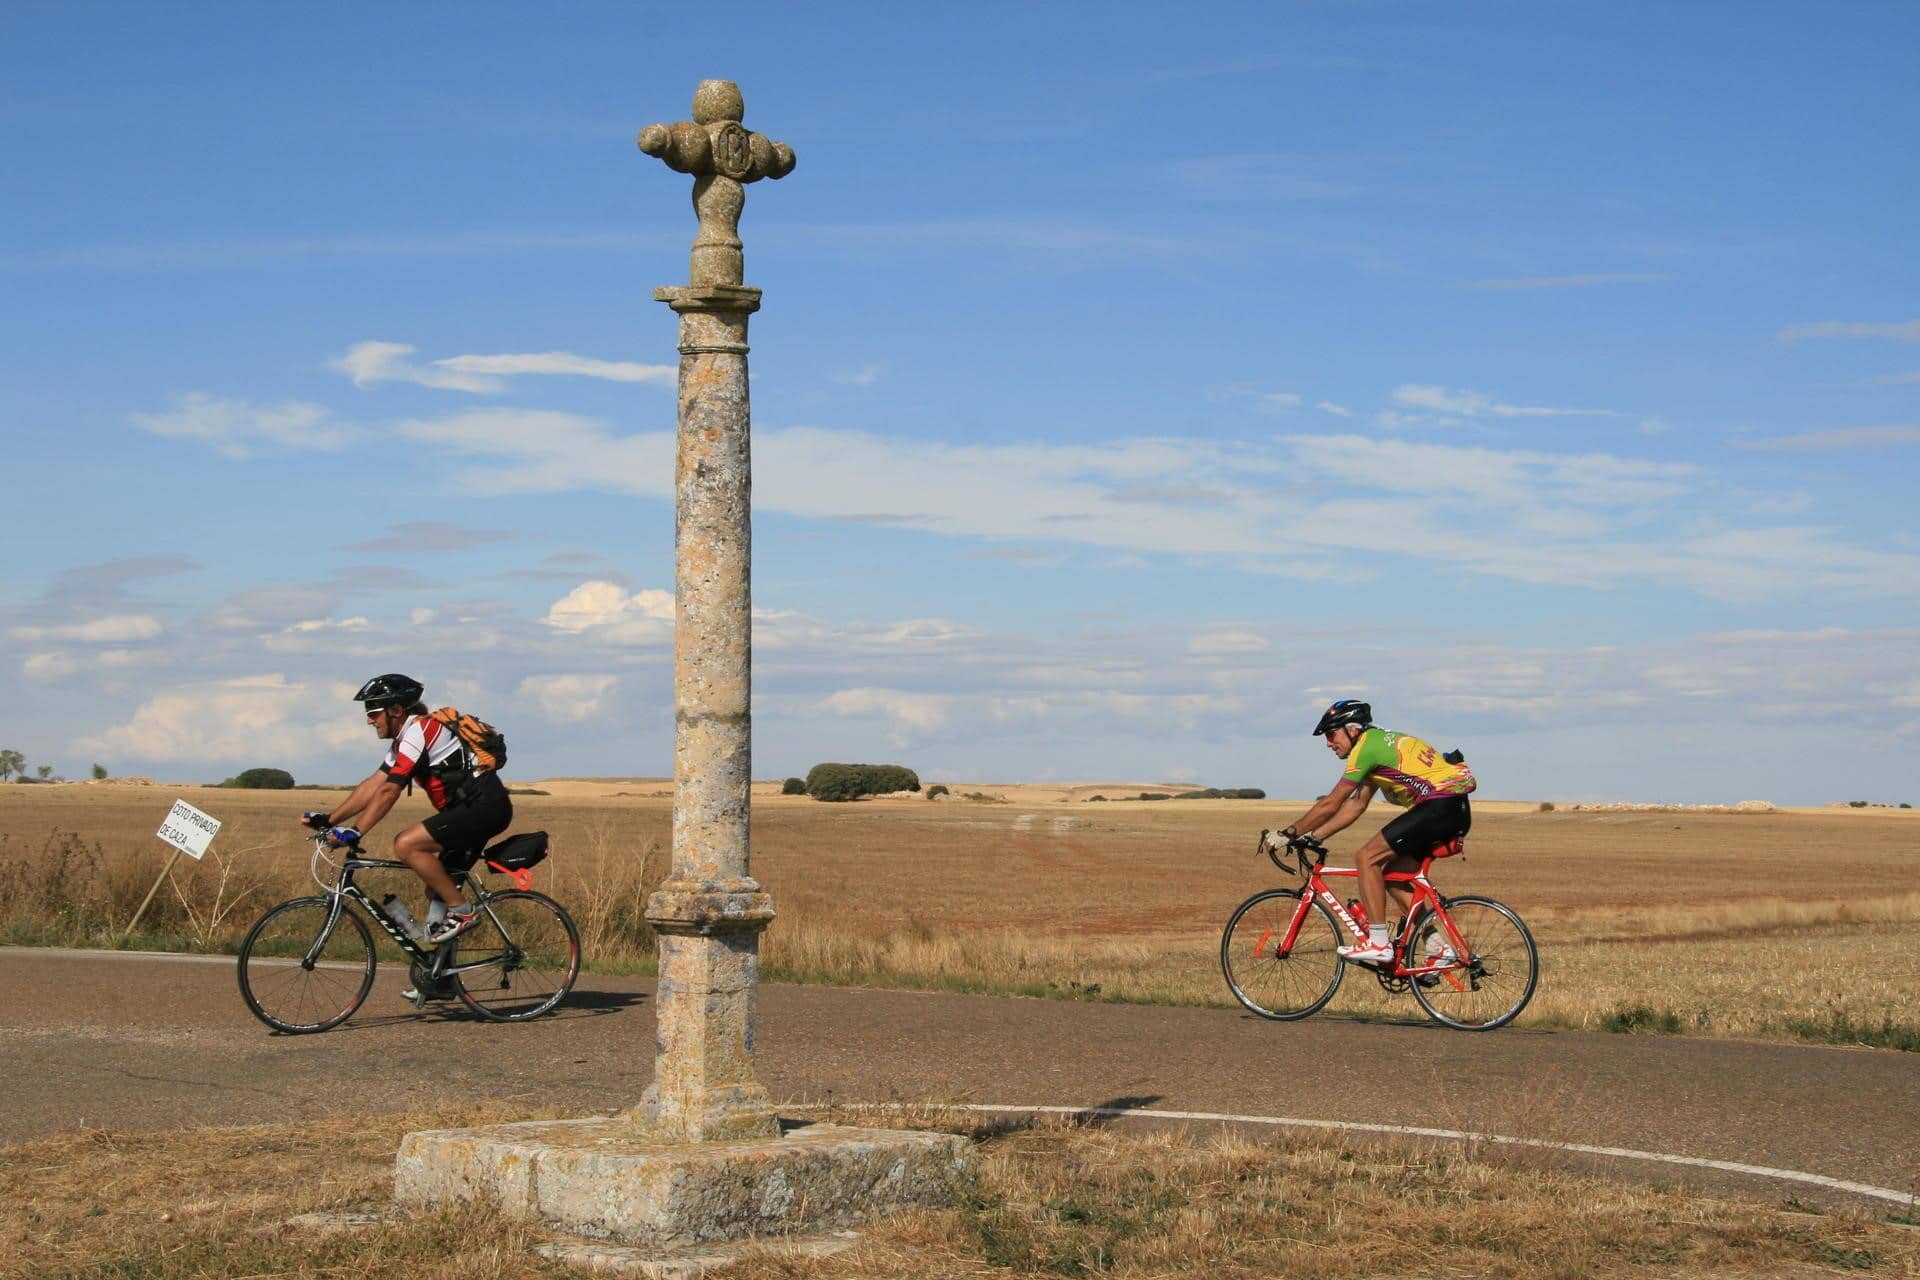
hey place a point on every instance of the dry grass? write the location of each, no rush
(1055, 1199)
(1749, 925)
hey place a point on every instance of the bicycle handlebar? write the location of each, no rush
(1302, 845)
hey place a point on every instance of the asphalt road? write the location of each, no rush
(133, 1042)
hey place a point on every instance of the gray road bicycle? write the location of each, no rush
(307, 964)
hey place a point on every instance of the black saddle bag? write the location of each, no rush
(517, 853)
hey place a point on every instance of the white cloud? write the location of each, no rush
(1280, 400)
(1228, 640)
(371, 362)
(607, 612)
(49, 666)
(355, 623)
(1471, 404)
(1842, 438)
(58, 665)
(232, 426)
(1899, 330)
(865, 376)
(1337, 410)
(564, 364)
(223, 720)
(117, 629)
(910, 713)
(568, 698)
(1478, 510)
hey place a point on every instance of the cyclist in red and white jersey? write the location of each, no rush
(1430, 786)
(470, 805)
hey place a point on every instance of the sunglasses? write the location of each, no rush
(374, 713)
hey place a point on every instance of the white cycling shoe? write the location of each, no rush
(1366, 953)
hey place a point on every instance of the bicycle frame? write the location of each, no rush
(1423, 894)
(433, 959)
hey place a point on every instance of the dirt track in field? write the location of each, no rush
(142, 1043)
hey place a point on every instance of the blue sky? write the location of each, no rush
(1129, 383)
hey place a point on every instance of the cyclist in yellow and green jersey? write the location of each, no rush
(1432, 787)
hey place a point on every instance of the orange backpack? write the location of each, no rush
(486, 746)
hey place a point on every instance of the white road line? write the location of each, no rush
(1903, 1198)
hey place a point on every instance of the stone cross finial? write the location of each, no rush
(721, 154)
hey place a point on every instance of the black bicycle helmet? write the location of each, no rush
(390, 690)
(1346, 711)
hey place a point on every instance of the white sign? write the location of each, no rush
(189, 830)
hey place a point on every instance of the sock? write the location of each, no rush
(436, 912)
(1377, 935)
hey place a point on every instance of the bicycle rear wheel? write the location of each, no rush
(287, 992)
(529, 952)
(1282, 987)
(1492, 982)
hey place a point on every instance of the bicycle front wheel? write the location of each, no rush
(1488, 984)
(291, 993)
(519, 959)
(1283, 985)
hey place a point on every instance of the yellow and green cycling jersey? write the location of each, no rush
(1407, 769)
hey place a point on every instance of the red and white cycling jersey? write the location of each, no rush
(428, 752)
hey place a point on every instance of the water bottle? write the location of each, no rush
(1358, 911)
(397, 910)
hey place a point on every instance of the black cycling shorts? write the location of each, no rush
(1414, 833)
(479, 813)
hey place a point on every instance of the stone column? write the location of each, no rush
(702, 1158)
(710, 912)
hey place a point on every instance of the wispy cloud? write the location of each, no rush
(1898, 330)
(367, 363)
(184, 255)
(1473, 404)
(412, 536)
(116, 629)
(1842, 438)
(568, 698)
(235, 428)
(864, 376)
(1337, 410)
(562, 364)
(1573, 282)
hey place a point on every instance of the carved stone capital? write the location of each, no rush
(740, 298)
(692, 907)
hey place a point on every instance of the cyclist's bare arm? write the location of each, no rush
(369, 802)
(1350, 809)
(1327, 808)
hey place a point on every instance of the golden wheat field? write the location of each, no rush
(1772, 924)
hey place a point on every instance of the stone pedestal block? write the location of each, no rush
(601, 1178)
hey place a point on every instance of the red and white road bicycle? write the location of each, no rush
(1468, 960)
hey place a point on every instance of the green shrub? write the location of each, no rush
(1154, 795)
(1546, 806)
(1856, 804)
(261, 780)
(937, 789)
(1091, 799)
(851, 781)
(793, 787)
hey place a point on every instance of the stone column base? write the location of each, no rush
(599, 1178)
